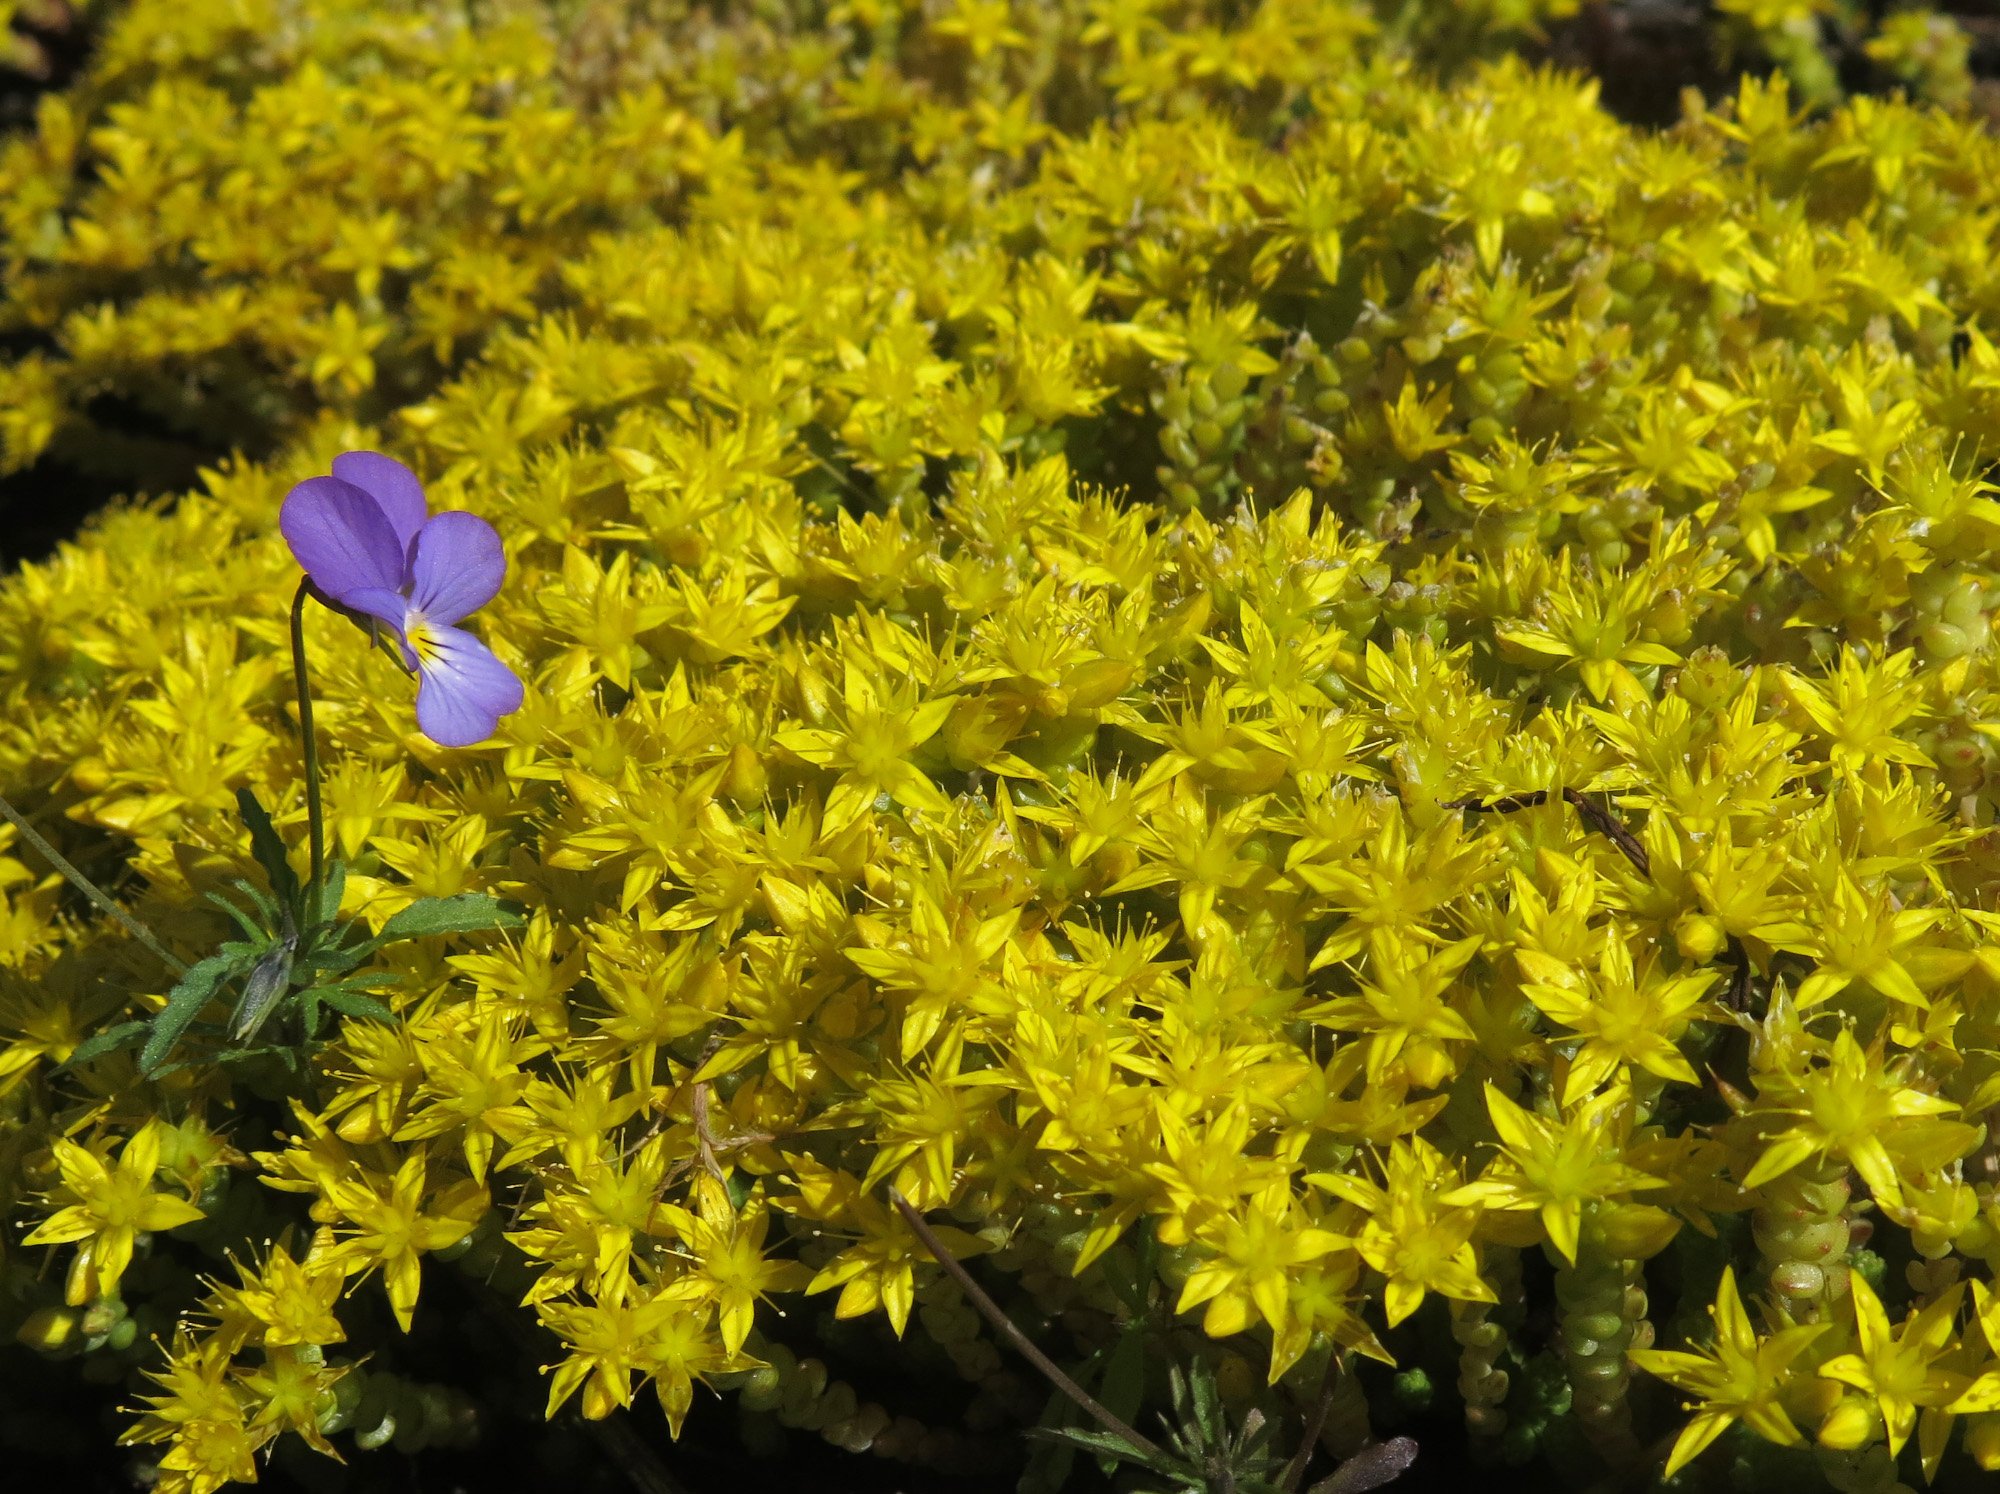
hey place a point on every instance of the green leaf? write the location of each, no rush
(332, 884)
(354, 1004)
(268, 848)
(261, 936)
(285, 1052)
(107, 1040)
(1110, 1445)
(1050, 1458)
(184, 1004)
(463, 913)
(321, 992)
(332, 957)
(1124, 1384)
(271, 912)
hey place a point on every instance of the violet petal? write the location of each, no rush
(341, 538)
(456, 566)
(392, 485)
(464, 690)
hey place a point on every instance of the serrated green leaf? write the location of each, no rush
(367, 980)
(269, 911)
(269, 849)
(107, 1040)
(462, 913)
(285, 1051)
(1206, 1400)
(1050, 1459)
(332, 959)
(184, 1003)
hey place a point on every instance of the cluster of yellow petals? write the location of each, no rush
(1272, 683)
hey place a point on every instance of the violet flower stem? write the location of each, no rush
(88, 888)
(315, 816)
(990, 1310)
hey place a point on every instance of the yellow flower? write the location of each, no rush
(1625, 1018)
(611, 1341)
(1557, 1168)
(730, 1267)
(879, 1269)
(1407, 1008)
(1858, 1107)
(1739, 1378)
(1899, 1369)
(1255, 1251)
(1417, 1242)
(393, 1227)
(880, 726)
(293, 1304)
(113, 1206)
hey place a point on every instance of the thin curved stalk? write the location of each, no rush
(90, 889)
(1004, 1325)
(315, 817)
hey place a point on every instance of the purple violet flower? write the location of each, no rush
(365, 543)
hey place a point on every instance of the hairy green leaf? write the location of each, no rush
(463, 913)
(107, 1040)
(184, 1003)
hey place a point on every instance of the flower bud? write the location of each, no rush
(52, 1330)
(1853, 1422)
(1700, 937)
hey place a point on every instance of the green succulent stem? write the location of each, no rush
(1481, 1382)
(1603, 1314)
(1803, 1235)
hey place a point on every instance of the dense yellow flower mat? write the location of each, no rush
(1265, 684)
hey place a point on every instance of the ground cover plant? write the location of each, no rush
(1233, 693)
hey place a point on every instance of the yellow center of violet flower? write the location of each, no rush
(422, 640)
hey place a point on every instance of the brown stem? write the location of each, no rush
(1004, 1326)
(1601, 820)
(1594, 815)
(1329, 1382)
